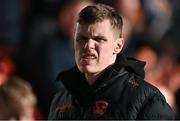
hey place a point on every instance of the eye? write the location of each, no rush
(81, 39)
(100, 39)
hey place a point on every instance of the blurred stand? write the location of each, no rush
(7, 66)
(47, 47)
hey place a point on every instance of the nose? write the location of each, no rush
(90, 44)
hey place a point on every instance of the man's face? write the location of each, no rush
(96, 46)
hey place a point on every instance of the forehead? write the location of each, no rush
(97, 28)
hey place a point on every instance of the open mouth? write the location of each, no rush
(88, 56)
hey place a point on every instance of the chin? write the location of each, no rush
(87, 69)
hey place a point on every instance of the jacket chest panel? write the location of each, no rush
(97, 109)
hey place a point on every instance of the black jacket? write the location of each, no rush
(119, 93)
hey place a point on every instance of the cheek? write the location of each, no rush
(109, 48)
(77, 48)
(105, 52)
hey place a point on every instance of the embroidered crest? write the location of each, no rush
(63, 108)
(134, 83)
(100, 108)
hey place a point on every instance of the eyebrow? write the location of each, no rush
(99, 37)
(93, 37)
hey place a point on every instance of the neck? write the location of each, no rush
(92, 77)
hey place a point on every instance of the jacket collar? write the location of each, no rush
(130, 64)
(75, 81)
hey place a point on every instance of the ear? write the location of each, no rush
(119, 45)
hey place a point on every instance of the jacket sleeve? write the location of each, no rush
(54, 105)
(156, 108)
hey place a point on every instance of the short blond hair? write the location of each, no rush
(19, 95)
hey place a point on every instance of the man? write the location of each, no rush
(104, 84)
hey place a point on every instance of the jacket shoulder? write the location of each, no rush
(147, 100)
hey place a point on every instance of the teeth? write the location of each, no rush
(89, 57)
